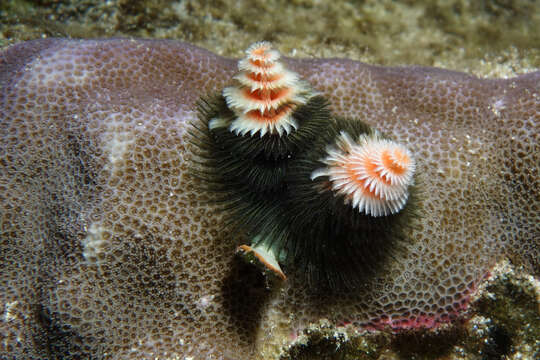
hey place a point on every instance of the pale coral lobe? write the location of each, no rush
(110, 249)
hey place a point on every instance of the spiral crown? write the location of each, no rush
(267, 94)
(373, 173)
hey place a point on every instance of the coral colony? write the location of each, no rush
(383, 195)
(337, 216)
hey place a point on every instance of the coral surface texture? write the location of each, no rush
(110, 249)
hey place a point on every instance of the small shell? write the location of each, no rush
(263, 258)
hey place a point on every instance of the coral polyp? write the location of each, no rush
(373, 173)
(267, 94)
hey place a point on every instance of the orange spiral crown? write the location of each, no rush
(267, 94)
(373, 173)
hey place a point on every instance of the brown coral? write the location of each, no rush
(109, 251)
